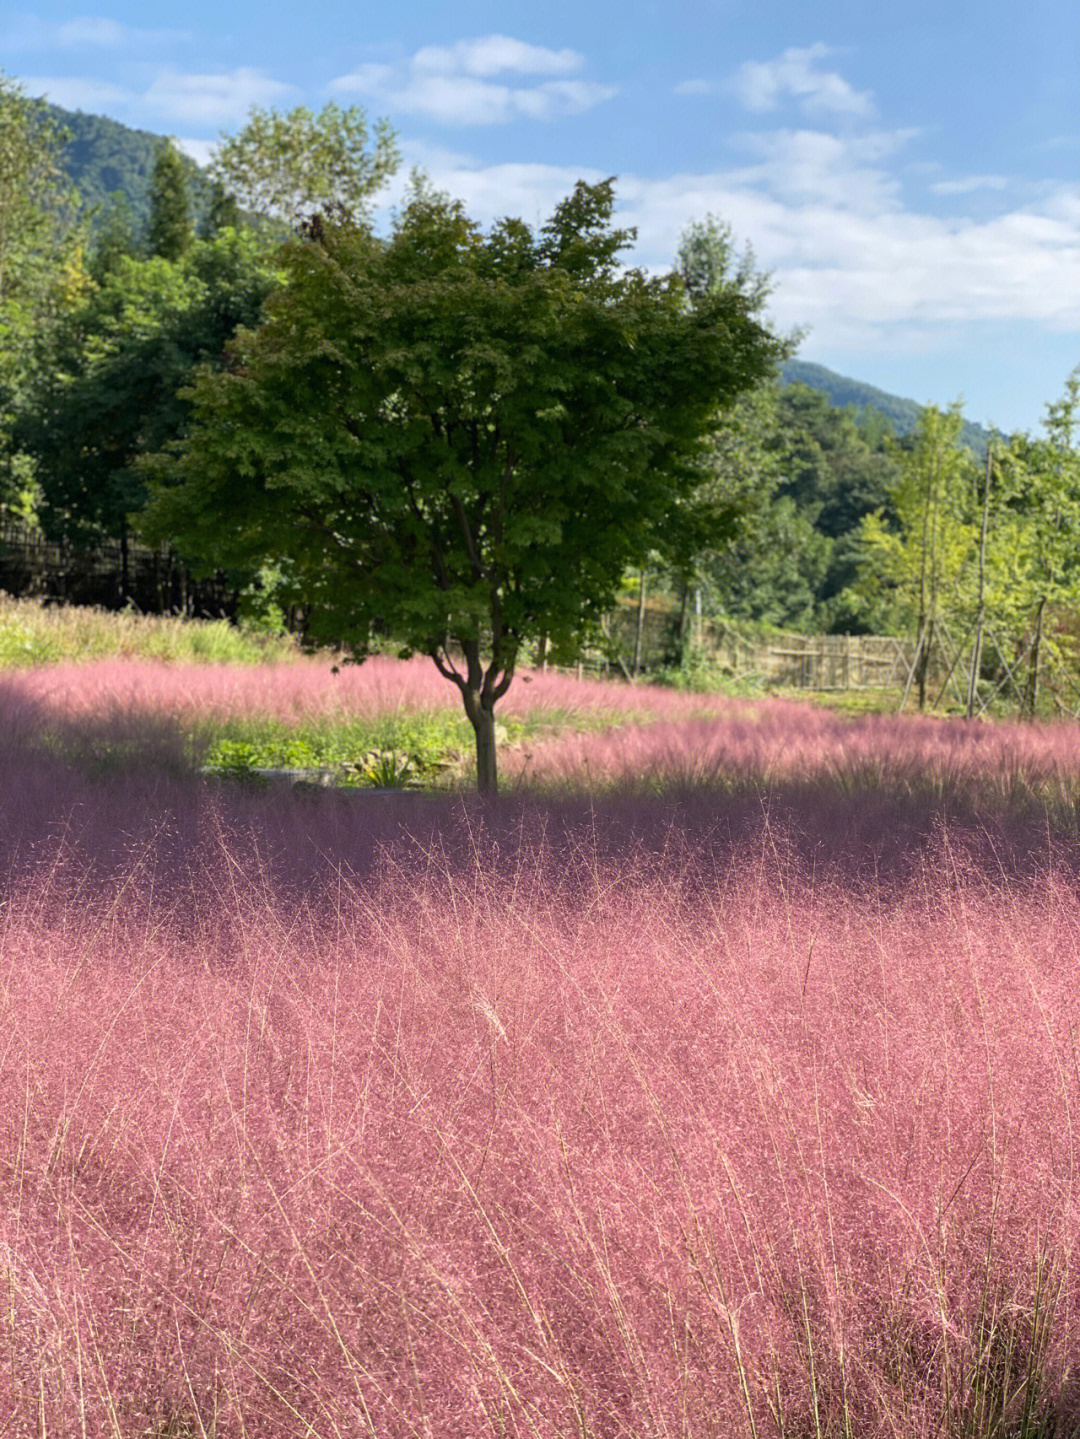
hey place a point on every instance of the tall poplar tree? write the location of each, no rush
(1050, 504)
(170, 230)
(922, 564)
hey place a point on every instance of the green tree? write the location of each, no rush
(292, 166)
(723, 518)
(708, 265)
(463, 439)
(35, 199)
(170, 231)
(1045, 477)
(41, 272)
(223, 213)
(916, 574)
(110, 393)
(115, 235)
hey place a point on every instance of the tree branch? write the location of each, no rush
(467, 535)
(440, 654)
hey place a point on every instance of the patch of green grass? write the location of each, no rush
(271, 743)
(848, 702)
(429, 748)
(34, 633)
(22, 645)
(433, 748)
(702, 673)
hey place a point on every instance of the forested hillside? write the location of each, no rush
(846, 393)
(104, 159)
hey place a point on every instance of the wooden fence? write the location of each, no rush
(797, 661)
(814, 662)
(108, 573)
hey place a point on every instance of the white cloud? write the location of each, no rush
(23, 33)
(92, 30)
(201, 151)
(761, 86)
(462, 100)
(808, 166)
(968, 184)
(364, 80)
(214, 99)
(453, 84)
(72, 93)
(693, 87)
(494, 55)
(870, 276)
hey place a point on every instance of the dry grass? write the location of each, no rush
(34, 633)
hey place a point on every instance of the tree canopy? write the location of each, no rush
(294, 165)
(41, 273)
(459, 438)
(110, 391)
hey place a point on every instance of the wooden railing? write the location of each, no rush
(109, 573)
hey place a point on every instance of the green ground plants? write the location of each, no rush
(398, 752)
(409, 750)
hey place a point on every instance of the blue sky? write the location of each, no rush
(909, 174)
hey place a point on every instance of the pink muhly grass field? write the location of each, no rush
(308, 689)
(538, 1142)
(635, 738)
(712, 1112)
(769, 741)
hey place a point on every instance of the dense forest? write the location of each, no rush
(125, 271)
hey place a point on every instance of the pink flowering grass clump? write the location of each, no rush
(720, 1080)
(529, 1131)
(312, 689)
(771, 742)
(594, 735)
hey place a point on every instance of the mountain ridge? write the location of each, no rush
(847, 393)
(103, 157)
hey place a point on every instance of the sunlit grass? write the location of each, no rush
(35, 633)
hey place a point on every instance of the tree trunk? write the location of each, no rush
(980, 613)
(976, 661)
(924, 664)
(639, 630)
(482, 719)
(1036, 656)
(683, 605)
(487, 770)
(125, 582)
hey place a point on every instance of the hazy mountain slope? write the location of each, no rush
(104, 156)
(843, 392)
